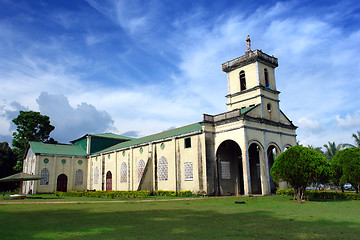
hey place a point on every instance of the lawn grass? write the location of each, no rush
(268, 217)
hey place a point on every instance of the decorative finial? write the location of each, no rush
(248, 43)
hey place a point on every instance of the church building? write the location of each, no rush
(230, 153)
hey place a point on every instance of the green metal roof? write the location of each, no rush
(105, 135)
(244, 110)
(167, 134)
(59, 149)
(111, 135)
(20, 177)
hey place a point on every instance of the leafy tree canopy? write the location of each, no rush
(31, 126)
(331, 149)
(356, 140)
(7, 162)
(346, 167)
(301, 166)
(318, 149)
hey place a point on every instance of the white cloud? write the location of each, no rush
(71, 123)
(9, 111)
(309, 125)
(4, 126)
(349, 122)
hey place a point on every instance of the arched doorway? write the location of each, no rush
(272, 153)
(108, 181)
(61, 183)
(255, 170)
(229, 170)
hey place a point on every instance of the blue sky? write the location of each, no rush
(141, 67)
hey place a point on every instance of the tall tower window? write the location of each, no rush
(266, 74)
(242, 81)
(141, 169)
(123, 173)
(163, 169)
(96, 175)
(79, 177)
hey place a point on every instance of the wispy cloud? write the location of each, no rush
(65, 19)
(133, 16)
(309, 125)
(150, 66)
(92, 39)
(351, 121)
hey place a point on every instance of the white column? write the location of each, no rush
(71, 174)
(53, 174)
(257, 72)
(267, 177)
(115, 178)
(246, 165)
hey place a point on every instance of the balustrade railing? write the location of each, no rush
(251, 55)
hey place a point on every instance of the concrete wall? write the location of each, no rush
(55, 166)
(169, 164)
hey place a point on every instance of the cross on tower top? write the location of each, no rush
(248, 43)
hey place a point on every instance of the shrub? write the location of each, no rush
(346, 167)
(123, 194)
(300, 166)
(322, 194)
(105, 194)
(165, 193)
(185, 194)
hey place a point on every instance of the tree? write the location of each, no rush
(318, 149)
(7, 162)
(31, 126)
(346, 167)
(301, 166)
(331, 150)
(356, 140)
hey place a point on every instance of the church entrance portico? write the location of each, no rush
(229, 169)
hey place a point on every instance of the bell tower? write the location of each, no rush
(251, 81)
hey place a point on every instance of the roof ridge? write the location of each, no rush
(153, 137)
(62, 149)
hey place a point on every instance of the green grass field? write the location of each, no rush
(269, 217)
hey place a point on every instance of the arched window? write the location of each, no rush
(141, 168)
(269, 107)
(96, 175)
(163, 169)
(266, 74)
(242, 80)
(79, 177)
(45, 176)
(123, 173)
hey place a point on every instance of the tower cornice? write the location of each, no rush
(249, 57)
(253, 89)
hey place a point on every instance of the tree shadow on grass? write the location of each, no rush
(327, 200)
(312, 199)
(89, 221)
